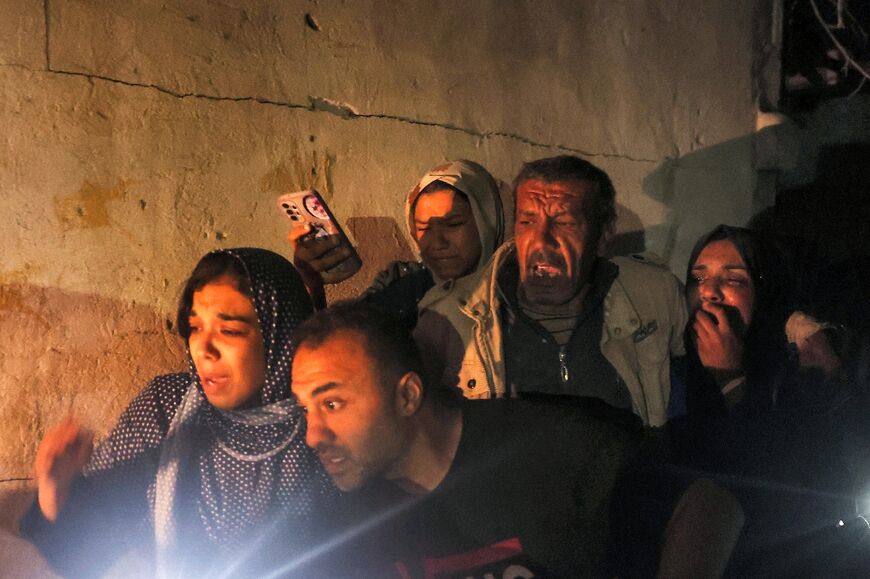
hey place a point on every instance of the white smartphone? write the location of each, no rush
(308, 207)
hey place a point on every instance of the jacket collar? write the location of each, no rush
(621, 318)
(486, 296)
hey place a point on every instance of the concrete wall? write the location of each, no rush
(135, 136)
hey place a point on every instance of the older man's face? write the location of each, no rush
(553, 239)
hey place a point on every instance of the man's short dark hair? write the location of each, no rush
(600, 209)
(386, 340)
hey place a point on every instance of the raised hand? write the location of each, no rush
(314, 258)
(62, 454)
(719, 337)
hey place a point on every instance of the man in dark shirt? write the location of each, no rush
(440, 487)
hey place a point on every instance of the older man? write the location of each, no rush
(551, 316)
(444, 487)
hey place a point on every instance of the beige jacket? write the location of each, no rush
(644, 317)
(438, 309)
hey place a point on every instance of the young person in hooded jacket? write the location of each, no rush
(207, 471)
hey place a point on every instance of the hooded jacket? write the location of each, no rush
(412, 290)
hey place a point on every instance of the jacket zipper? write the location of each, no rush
(563, 367)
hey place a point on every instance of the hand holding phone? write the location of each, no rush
(320, 248)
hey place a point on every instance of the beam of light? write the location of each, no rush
(252, 548)
(789, 533)
(732, 481)
(179, 566)
(344, 537)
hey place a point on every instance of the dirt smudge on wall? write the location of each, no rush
(13, 300)
(88, 208)
(300, 170)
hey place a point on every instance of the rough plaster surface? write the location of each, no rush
(138, 135)
(579, 62)
(70, 352)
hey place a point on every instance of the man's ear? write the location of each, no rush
(409, 394)
(606, 237)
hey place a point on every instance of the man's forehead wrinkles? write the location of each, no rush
(549, 204)
(551, 200)
(553, 194)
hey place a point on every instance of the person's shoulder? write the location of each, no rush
(644, 268)
(169, 386)
(160, 397)
(400, 268)
(552, 416)
(398, 289)
(644, 261)
(143, 425)
(396, 271)
(503, 254)
(484, 294)
(562, 435)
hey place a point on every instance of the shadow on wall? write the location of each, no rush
(379, 241)
(632, 239)
(732, 181)
(824, 228)
(702, 189)
(65, 352)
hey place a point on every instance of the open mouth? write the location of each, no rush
(214, 381)
(546, 270)
(332, 462)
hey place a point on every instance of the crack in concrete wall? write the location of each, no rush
(325, 105)
(46, 10)
(348, 112)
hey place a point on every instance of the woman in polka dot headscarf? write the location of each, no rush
(209, 467)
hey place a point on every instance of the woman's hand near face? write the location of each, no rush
(62, 455)
(719, 338)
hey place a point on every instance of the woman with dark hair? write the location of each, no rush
(207, 471)
(751, 419)
(739, 300)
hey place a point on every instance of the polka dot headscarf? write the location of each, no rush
(226, 474)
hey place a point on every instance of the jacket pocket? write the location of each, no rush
(472, 380)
